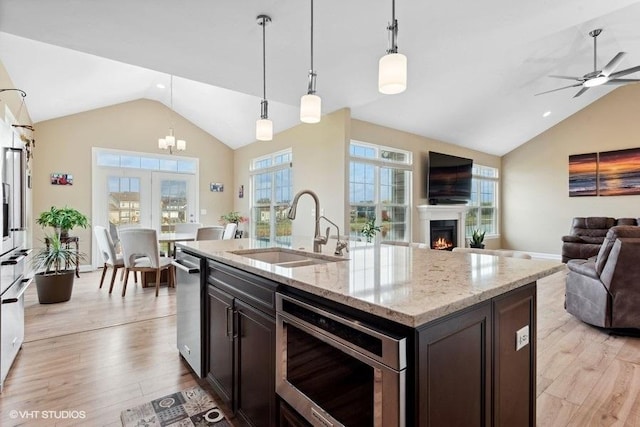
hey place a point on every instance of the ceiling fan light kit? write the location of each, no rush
(392, 67)
(606, 76)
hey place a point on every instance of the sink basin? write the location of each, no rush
(286, 257)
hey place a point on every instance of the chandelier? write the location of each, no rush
(169, 142)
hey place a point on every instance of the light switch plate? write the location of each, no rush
(522, 337)
(203, 211)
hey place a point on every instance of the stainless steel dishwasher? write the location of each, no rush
(190, 309)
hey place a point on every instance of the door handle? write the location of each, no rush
(229, 334)
(185, 266)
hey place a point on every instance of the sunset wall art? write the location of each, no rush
(619, 172)
(610, 173)
(583, 175)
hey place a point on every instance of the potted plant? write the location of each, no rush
(370, 229)
(476, 239)
(232, 217)
(54, 281)
(62, 219)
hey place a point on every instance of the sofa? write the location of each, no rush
(605, 291)
(587, 234)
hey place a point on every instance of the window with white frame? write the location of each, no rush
(272, 190)
(483, 207)
(380, 188)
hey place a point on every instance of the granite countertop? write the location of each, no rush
(408, 285)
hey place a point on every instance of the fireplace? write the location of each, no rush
(443, 234)
(454, 213)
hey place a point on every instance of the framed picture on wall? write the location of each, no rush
(61, 179)
(619, 172)
(583, 175)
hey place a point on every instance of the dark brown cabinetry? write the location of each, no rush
(468, 371)
(241, 343)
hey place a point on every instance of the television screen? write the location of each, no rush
(449, 179)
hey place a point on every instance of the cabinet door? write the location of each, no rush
(515, 369)
(256, 366)
(220, 369)
(454, 370)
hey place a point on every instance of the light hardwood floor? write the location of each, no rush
(102, 354)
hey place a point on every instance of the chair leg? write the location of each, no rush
(104, 272)
(158, 273)
(113, 278)
(122, 274)
(135, 277)
(126, 279)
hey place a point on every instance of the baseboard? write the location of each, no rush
(86, 268)
(542, 255)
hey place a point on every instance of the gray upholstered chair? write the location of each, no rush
(109, 256)
(141, 253)
(605, 291)
(214, 232)
(186, 227)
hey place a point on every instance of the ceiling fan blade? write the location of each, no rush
(581, 91)
(624, 72)
(560, 88)
(566, 77)
(621, 81)
(613, 64)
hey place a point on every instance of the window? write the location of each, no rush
(483, 207)
(380, 187)
(272, 194)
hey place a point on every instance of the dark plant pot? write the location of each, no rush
(53, 288)
(480, 246)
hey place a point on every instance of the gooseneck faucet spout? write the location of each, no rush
(317, 239)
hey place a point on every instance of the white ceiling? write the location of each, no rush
(474, 67)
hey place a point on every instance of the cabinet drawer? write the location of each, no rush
(256, 291)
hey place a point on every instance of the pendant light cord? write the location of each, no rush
(311, 89)
(393, 29)
(311, 35)
(264, 60)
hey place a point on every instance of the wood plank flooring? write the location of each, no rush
(102, 354)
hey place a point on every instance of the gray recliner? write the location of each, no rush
(605, 291)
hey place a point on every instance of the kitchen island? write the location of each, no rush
(464, 325)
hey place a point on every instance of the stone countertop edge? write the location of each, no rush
(414, 316)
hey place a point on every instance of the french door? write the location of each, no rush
(124, 197)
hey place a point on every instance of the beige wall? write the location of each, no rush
(537, 207)
(319, 153)
(420, 147)
(320, 163)
(64, 145)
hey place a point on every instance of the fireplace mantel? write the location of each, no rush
(427, 213)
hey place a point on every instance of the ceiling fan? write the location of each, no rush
(606, 76)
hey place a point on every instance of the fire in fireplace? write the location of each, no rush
(443, 234)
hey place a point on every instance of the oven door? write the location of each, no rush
(331, 383)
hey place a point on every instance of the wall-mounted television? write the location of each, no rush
(449, 179)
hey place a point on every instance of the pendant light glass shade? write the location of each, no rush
(392, 73)
(264, 130)
(310, 108)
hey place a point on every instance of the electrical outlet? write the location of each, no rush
(522, 337)
(203, 211)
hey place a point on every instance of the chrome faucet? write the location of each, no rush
(340, 245)
(318, 240)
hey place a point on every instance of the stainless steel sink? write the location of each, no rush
(287, 257)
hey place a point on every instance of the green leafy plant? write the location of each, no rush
(56, 256)
(369, 229)
(477, 237)
(233, 217)
(65, 218)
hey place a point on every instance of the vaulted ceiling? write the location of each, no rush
(474, 67)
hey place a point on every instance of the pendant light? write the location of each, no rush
(264, 126)
(392, 68)
(169, 142)
(311, 104)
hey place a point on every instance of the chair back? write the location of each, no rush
(137, 243)
(105, 244)
(186, 227)
(214, 232)
(230, 231)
